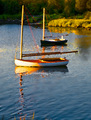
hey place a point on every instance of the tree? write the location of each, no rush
(1, 7)
(69, 7)
(88, 5)
(55, 6)
(80, 5)
(60, 6)
(11, 6)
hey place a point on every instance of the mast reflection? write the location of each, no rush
(21, 99)
(22, 71)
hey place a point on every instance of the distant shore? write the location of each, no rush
(16, 21)
(8, 21)
(72, 23)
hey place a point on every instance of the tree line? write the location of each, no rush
(65, 7)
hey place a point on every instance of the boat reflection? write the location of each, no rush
(25, 70)
(46, 71)
(50, 45)
(21, 71)
(53, 48)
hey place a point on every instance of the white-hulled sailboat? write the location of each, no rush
(43, 62)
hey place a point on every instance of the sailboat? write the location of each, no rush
(46, 40)
(42, 62)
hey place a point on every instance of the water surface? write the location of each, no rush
(48, 93)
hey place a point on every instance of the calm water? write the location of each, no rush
(50, 93)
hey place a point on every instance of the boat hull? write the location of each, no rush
(53, 42)
(41, 63)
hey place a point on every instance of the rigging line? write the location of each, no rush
(31, 31)
(31, 16)
(33, 19)
(50, 30)
(36, 20)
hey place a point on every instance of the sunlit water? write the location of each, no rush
(47, 93)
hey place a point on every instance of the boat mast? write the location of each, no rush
(21, 42)
(43, 23)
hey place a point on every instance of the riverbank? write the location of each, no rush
(17, 21)
(74, 23)
(70, 23)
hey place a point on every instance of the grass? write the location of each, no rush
(12, 17)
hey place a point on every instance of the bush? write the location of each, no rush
(87, 15)
(70, 23)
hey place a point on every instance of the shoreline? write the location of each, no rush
(17, 21)
(64, 23)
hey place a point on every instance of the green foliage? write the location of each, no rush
(70, 23)
(1, 7)
(69, 7)
(88, 5)
(56, 8)
(79, 16)
(88, 15)
(12, 17)
(10, 6)
(82, 5)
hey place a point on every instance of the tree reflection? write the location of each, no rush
(78, 31)
(84, 45)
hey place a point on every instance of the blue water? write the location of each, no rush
(47, 93)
